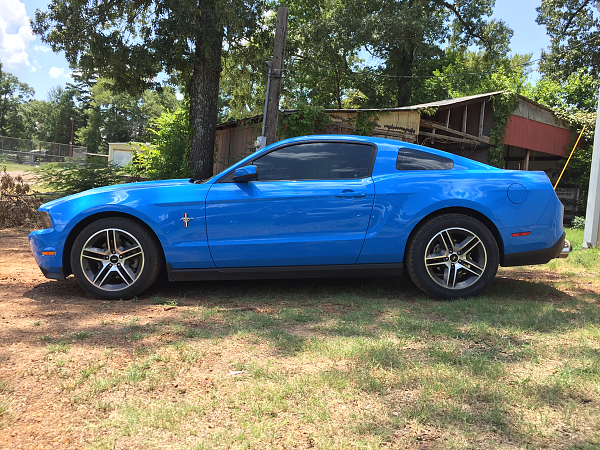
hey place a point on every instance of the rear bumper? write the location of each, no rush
(561, 249)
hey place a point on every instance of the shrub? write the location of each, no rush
(18, 205)
(578, 223)
(71, 177)
(168, 158)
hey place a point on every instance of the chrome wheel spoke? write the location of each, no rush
(102, 275)
(468, 244)
(436, 260)
(125, 275)
(130, 252)
(96, 254)
(472, 267)
(450, 276)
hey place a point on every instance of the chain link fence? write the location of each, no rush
(34, 153)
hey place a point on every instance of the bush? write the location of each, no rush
(71, 177)
(578, 223)
(18, 205)
(168, 158)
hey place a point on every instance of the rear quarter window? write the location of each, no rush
(409, 159)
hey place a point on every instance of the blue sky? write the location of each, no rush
(26, 56)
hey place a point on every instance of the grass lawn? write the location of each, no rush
(361, 363)
(11, 167)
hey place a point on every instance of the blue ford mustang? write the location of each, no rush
(309, 207)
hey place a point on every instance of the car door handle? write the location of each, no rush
(349, 194)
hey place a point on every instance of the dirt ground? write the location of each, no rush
(32, 308)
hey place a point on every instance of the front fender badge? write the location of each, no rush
(186, 219)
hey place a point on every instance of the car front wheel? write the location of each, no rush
(452, 256)
(115, 257)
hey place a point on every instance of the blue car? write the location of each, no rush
(310, 206)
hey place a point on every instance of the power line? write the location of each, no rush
(412, 77)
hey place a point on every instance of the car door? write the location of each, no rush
(310, 205)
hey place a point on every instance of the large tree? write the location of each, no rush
(131, 42)
(365, 53)
(13, 93)
(574, 30)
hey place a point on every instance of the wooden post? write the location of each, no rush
(526, 162)
(464, 125)
(481, 116)
(448, 118)
(275, 85)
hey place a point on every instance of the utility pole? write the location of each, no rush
(274, 90)
(71, 143)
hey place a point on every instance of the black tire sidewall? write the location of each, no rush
(152, 259)
(417, 247)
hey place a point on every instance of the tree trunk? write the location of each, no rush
(203, 90)
(406, 64)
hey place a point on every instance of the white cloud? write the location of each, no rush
(179, 96)
(33, 69)
(15, 34)
(56, 72)
(41, 48)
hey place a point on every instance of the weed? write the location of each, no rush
(60, 347)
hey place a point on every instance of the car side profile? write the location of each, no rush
(310, 206)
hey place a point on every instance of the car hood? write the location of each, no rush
(117, 188)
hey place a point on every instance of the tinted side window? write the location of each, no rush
(316, 161)
(409, 159)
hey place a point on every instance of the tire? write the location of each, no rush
(452, 256)
(115, 258)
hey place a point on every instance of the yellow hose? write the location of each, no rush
(572, 151)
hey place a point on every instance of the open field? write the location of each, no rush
(325, 364)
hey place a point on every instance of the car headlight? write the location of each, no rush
(45, 218)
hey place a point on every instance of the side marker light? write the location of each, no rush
(48, 253)
(524, 233)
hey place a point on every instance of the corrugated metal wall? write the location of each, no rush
(541, 137)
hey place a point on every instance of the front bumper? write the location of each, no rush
(561, 249)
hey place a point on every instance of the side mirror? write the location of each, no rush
(245, 174)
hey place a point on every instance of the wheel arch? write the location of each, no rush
(464, 211)
(66, 256)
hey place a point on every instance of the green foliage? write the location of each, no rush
(120, 117)
(504, 105)
(469, 73)
(304, 121)
(574, 28)
(577, 93)
(578, 223)
(326, 37)
(364, 123)
(13, 94)
(71, 177)
(133, 42)
(168, 157)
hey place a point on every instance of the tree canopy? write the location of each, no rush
(574, 33)
(13, 93)
(365, 53)
(131, 43)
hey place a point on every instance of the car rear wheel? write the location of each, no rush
(115, 257)
(452, 256)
